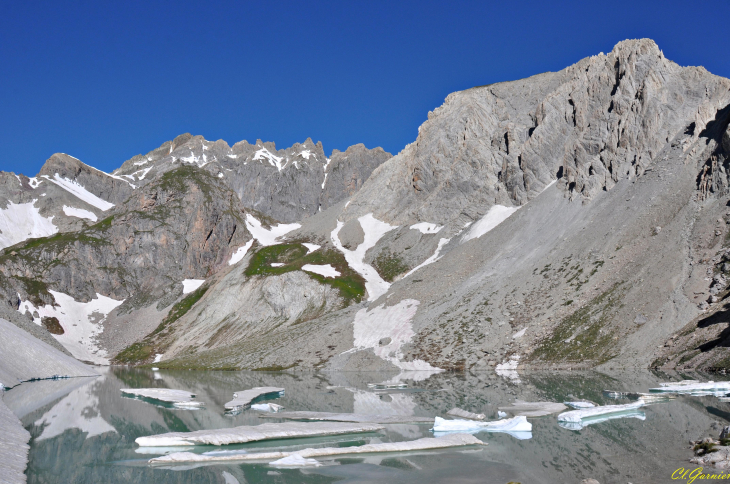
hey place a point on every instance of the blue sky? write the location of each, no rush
(104, 81)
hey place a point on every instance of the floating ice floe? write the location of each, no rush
(350, 417)
(457, 412)
(427, 443)
(325, 270)
(19, 222)
(518, 427)
(679, 383)
(244, 398)
(533, 409)
(718, 388)
(255, 433)
(178, 398)
(638, 414)
(267, 407)
(580, 404)
(190, 285)
(295, 461)
(587, 416)
(79, 213)
(387, 385)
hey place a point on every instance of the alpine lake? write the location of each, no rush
(83, 430)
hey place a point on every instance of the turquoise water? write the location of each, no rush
(83, 430)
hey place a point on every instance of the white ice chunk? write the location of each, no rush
(80, 192)
(179, 398)
(427, 228)
(690, 387)
(325, 270)
(295, 461)
(587, 413)
(350, 417)
(245, 397)
(240, 253)
(267, 407)
(311, 247)
(579, 405)
(638, 414)
(79, 213)
(495, 216)
(374, 230)
(517, 426)
(267, 236)
(190, 285)
(255, 433)
(81, 323)
(427, 443)
(21, 222)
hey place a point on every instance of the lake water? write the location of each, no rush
(83, 430)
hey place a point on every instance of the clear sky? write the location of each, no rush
(105, 80)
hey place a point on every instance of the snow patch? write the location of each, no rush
(34, 182)
(21, 222)
(431, 259)
(324, 181)
(81, 323)
(158, 358)
(240, 253)
(190, 285)
(144, 173)
(306, 154)
(277, 264)
(264, 236)
(311, 247)
(426, 228)
(79, 213)
(80, 192)
(394, 322)
(264, 154)
(495, 216)
(325, 270)
(374, 230)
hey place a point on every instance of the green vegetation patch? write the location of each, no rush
(178, 180)
(583, 335)
(389, 265)
(293, 256)
(135, 353)
(181, 308)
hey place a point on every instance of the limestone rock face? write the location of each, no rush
(348, 170)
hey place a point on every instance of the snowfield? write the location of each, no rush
(325, 270)
(81, 323)
(79, 213)
(495, 216)
(80, 192)
(267, 237)
(21, 222)
(190, 285)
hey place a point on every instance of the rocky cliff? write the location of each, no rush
(571, 219)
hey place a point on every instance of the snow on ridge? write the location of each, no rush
(306, 154)
(190, 285)
(34, 182)
(240, 253)
(325, 270)
(427, 228)
(144, 172)
(80, 192)
(79, 213)
(267, 237)
(81, 323)
(372, 325)
(274, 160)
(19, 222)
(374, 230)
(140, 163)
(495, 216)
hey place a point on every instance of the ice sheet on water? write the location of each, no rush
(586, 413)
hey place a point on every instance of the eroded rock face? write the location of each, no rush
(587, 126)
(347, 171)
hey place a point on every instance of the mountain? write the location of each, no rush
(572, 219)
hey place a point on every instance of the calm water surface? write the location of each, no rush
(83, 430)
